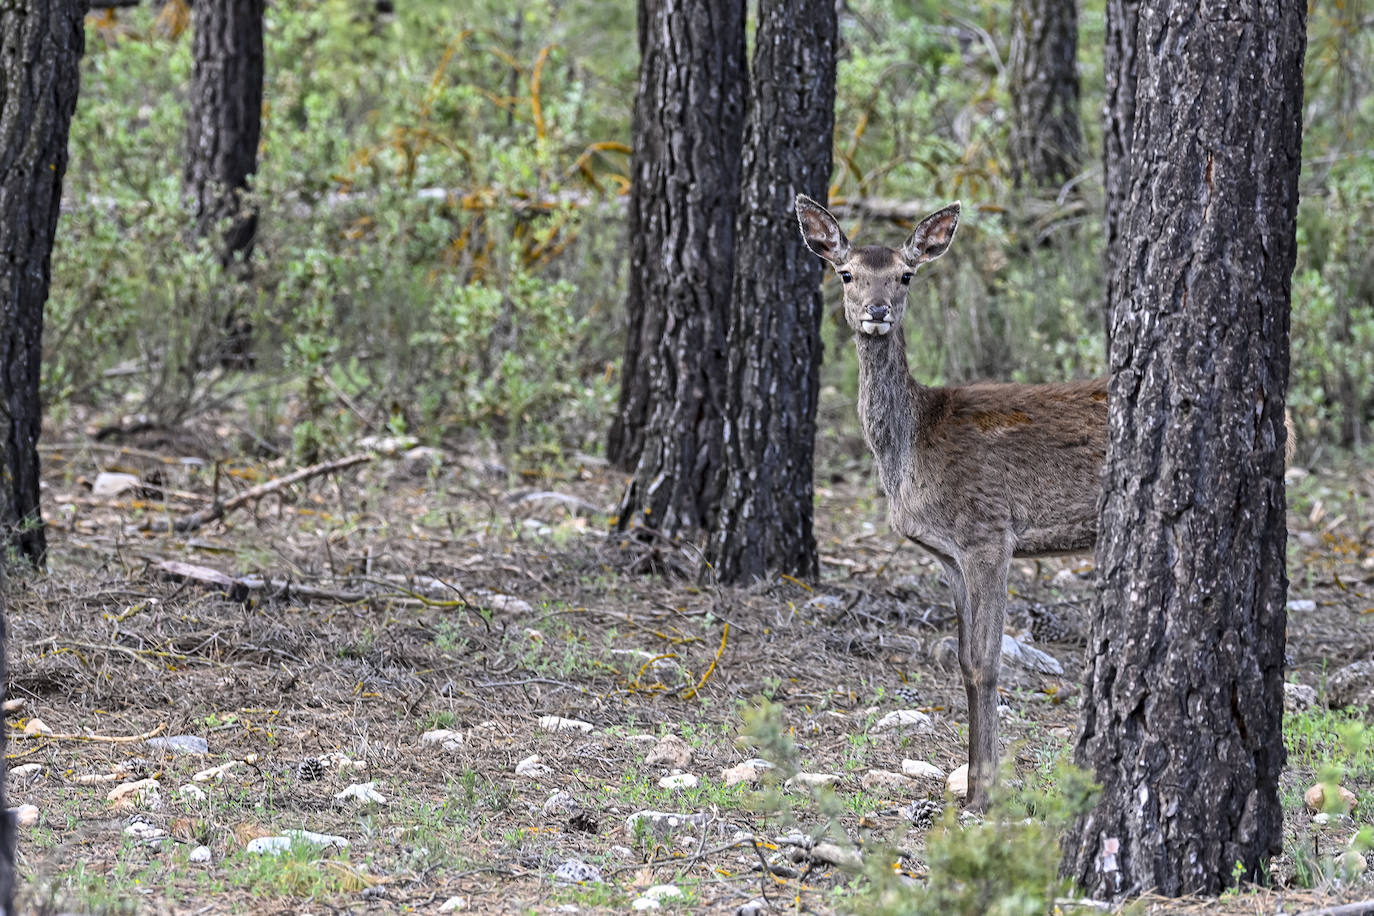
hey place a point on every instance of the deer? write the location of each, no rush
(974, 474)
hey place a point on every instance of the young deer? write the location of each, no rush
(975, 474)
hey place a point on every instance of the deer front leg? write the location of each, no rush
(983, 575)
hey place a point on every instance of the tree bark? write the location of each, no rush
(764, 523)
(688, 123)
(1047, 137)
(1118, 117)
(41, 42)
(688, 127)
(225, 122)
(1183, 705)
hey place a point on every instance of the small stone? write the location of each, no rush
(920, 769)
(884, 781)
(445, 738)
(142, 829)
(362, 793)
(199, 856)
(25, 815)
(1018, 653)
(623, 852)
(531, 767)
(192, 794)
(28, 772)
(663, 892)
(1322, 819)
(662, 823)
(558, 803)
(558, 724)
(1302, 605)
(679, 781)
(1298, 697)
(749, 771)
(453, 903)
(813, 780)
(36, 728)
(670, 751)
(1316, 800)
(501, 604)
(903, 722)
(645, 903)
(109, 484)
(180, 744)
(957, 783)
(1352, 685)
(575, 871)
(146, 792)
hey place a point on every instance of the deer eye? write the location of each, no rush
(906, 279)
(846, 276)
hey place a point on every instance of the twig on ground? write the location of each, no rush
(218, 510)
(725, 634)
(99, 739)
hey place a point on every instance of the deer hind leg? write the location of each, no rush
(982, 577)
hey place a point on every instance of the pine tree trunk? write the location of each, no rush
(1183, 706)
(1119, 59)
(225, 122)
(1047, 138)
(41, 42)
(775, 321)
(688, 124)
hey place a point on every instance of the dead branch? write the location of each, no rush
(100, 739)
(218, 510)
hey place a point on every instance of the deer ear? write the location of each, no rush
(822, 234)
(932, 237)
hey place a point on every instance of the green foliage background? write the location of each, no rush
(441, 241)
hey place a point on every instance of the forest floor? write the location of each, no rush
(361, 610)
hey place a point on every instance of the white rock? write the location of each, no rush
(316, 839)
(268, 845)
(813, 780)
(670, 751)
(1018, 653)
(25, 815)
(531, 767)
(192, 794)
(36, 728)
(558, 724)
(1302, 605)
(920, 769)
(181, 744)
(200, 855)
(28, 772)
(575, 871)
(446, 738)
(109, 484)
(679, 781)
(453, 903)
(146, 792)
(501, 604)
(645, 903)
(363, 793)
(663, 892)
(143, 830)
(749, 771)
(903, 722)
(1321, 819)
(1297, 697)
(957, 783)
(884, 781)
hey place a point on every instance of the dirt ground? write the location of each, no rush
(440, 590)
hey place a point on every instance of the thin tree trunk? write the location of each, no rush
(1047, 137)
(775, 321)
(1183, 705)
(41, 42)
(688, 124)
(1119, 59)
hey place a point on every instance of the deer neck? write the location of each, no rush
(893, 407)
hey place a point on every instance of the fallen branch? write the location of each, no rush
(218, 510)
(99, 739)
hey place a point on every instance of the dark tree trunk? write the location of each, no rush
(40, 51)
(1123, 17)
(689, 122)
(1047, 138)
(1183, 706)
(764, 522)
(225, 122)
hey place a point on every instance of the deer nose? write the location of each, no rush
(878, 312)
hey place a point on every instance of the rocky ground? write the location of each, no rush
(425, 682)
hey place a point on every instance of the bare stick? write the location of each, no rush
(100, 739)
(218, 510)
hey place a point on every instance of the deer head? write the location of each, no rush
(875, 278)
